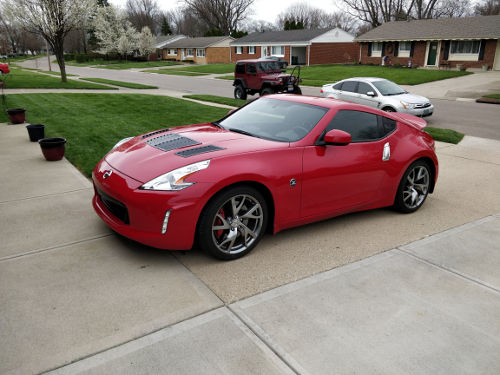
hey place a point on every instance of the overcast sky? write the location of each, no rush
(266, 10)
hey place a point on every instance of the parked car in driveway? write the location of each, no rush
(4, 68)
(378, 93)
(277, 162)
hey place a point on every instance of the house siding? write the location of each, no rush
(334, 53)
(217, 55)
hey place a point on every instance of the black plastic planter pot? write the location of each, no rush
(16, 115)
(36, 132)
(53, 148)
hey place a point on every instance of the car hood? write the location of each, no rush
(275, 76)
(153, 154)
(410, 98)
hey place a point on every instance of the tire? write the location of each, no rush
(240, 93)
(266, 91)
(388, 109)
(233, 223)
(297, 90)
(413, 188)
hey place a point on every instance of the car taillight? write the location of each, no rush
(321, 91)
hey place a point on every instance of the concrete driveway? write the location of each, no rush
(72, 291)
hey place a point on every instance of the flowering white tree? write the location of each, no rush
(52, 19)
(146, 42)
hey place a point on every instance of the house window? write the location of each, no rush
(200, 52)
(464, 50)
(189, 52)
(239, 50)
(172, 52)
(251, 50)
(278, 50)
(376, 49)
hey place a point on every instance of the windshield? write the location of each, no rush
(388, 88)
(268, 66)
(274, 119)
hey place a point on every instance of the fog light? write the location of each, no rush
(165, 222)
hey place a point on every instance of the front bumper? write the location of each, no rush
(139, 214)
(420, 112)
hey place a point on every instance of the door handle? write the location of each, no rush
(386, 155)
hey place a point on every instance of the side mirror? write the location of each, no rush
(370, 93)
(337, 137)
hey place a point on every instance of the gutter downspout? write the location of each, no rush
(359, 53)
(309, 54)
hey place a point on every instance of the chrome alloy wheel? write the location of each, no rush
(237, 224)
(416, 187)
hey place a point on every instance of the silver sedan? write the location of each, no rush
(379, 93)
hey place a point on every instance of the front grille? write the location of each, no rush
(114, 206)
(422, 105)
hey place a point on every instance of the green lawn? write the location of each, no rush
(208, 68)
(129, 85)
(445, 135)
(217, 99)
(23, 79)
(117, 64)
(48, 72)
(493, 96)
(318, 75)
(231, 77)
(93, 123)
(173, 72)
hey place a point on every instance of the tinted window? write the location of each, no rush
(361, 126)
(338, 86)
(278, 120)
(240, 68)
(349, 86)
(251, 68)
(363, 88)
(388, 125)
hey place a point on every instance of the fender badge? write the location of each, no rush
(293, 182)
(107, 174)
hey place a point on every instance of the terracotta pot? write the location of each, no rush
(16, 115)
(36, 132)
(53, 148)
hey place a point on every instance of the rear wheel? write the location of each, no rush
(233, 223)
(240, 93)
(266, 91)
(413, 188)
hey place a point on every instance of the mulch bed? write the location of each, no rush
(488, 100)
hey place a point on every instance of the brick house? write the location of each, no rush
(161, 42)
(205, 50)
(304, 47)
(473, 42)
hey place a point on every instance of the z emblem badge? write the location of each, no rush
(107, 174)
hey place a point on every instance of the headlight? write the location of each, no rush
(122, 142)
(174, 180)
(407, 105)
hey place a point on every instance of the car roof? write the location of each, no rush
(365, 79)
(320, 101)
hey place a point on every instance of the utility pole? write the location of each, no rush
(48, 54)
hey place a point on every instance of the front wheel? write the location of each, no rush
(388, 109)
(297, 90)
(240, 93)
(267, 91)
(413, 188)
(233, 223)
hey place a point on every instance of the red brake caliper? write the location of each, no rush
(220, 232)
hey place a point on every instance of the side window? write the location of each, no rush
(388, 125)
(363, 88)
(240, 68)
(350, 86)
(338, 86)
(251, 68)
(362, 126)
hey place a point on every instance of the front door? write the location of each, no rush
(432, 54)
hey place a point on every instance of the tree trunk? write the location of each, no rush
(59, 51)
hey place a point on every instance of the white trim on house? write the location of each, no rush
(200, 52)
(496, 62)
(438, 52)
(377, 52)
(275, 49)
(334, 36)
(404, 52)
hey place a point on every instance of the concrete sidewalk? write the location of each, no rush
(325, 298)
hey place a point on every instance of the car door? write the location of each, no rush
(338, 179)
(370, 100)
(349, 91)
(253, 81)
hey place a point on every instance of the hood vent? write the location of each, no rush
(169, 142)
(155, 133)
(198, 150)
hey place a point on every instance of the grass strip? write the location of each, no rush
(173, 72)
(208, 68)
(444, 135)
(231, 77)
(492, 96)
(129, 85)
(93, 123)
(120, 65)
(217, 99)
(23, 79)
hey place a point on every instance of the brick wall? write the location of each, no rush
(217, 55)
(334, 53)
(245, 55)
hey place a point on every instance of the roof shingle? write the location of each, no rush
(202, 42)
(287, 36)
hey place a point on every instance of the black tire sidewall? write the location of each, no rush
(243, 94)
(266, 91)
(398, 201)
(205, 239)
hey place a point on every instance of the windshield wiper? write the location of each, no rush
(244, 132)
(216, 123)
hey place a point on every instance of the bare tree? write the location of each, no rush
(452, 9)
(224, 15)
(488, 8)
(52, 19)
(376, 12)
(10, 31)
(143, 13)
(183, 21)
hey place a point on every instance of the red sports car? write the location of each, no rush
(278, 162)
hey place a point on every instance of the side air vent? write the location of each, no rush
(198, 150)
(155, 133)
(169, 142)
